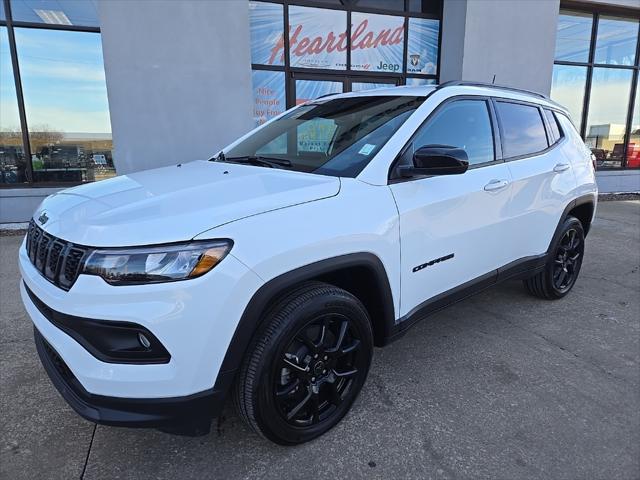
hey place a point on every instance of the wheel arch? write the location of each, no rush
(361, 274)
(582, 208)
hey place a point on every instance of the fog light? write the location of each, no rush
(144, 341)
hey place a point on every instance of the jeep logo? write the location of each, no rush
(393, 67)
(43, 218)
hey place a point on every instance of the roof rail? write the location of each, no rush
(463, 83)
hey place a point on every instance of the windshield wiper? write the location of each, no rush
(218, 158)
(258, 160)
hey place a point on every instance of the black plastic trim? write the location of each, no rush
(582, 200)
(518, 269)
(522, 268)
(187, 415)
(108, 341)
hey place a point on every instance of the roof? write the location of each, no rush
(461, 88)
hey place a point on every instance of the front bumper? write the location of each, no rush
(195, 320)
(189, 415)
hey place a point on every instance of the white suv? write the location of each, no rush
(272, 270)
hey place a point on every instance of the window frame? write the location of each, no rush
(544, 124)
(394, 176)
(10, 24)
(294, 73)
(596, 12)
(550, 132)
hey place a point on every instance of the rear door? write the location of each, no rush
(542, 174)
(452, 226)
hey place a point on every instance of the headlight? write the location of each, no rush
(165, 263)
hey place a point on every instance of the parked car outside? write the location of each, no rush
(270, 272)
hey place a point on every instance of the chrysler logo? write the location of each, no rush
(43, 218)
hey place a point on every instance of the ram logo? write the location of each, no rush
(433, 262)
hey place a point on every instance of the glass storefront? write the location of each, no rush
(300, 52)
(55, 127)
(595, 76)
(12, 159)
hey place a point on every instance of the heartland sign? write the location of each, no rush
(376, 41)
(361, 38)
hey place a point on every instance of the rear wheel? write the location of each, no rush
(308, 366)
(563, 265)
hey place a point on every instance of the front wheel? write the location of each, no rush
(308, 366)
(563, 265)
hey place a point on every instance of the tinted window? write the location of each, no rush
(464, 124)
(522, 129)
(553, 125)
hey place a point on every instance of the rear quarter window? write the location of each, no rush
(523, 131)
(556, 132)
(572, 134)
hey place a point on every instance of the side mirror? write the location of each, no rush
(437, 160)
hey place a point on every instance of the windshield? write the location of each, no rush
(336, 137)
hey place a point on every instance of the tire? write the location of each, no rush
(307, 365)
(563, 264)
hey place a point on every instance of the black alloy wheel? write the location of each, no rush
(316, 370)
(568, 260)
(307, 365)
(564, 260)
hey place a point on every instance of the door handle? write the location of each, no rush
(495, 185)
(561, 167)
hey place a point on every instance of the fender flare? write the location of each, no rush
(251, 321)
(582, 200)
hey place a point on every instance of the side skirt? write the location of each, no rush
(517, 270)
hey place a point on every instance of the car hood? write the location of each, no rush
(175, 203)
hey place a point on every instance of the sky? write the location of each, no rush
(62, 79)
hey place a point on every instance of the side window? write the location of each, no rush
(464, 124)
(522, 129)
(556, 134)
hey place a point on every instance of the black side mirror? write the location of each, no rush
(437, 160)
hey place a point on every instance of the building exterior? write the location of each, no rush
(91, 89)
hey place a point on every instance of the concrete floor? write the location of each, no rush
(501, 386)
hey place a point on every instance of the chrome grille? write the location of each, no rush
(57, 260)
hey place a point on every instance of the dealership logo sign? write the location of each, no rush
(414, 59)
(361, 38)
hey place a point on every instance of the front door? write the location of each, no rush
(452, 227)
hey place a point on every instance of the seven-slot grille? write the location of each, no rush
(57, 260)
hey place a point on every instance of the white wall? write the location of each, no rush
(618, 181)
(18, 204)
(178, 78)
(513, 40)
